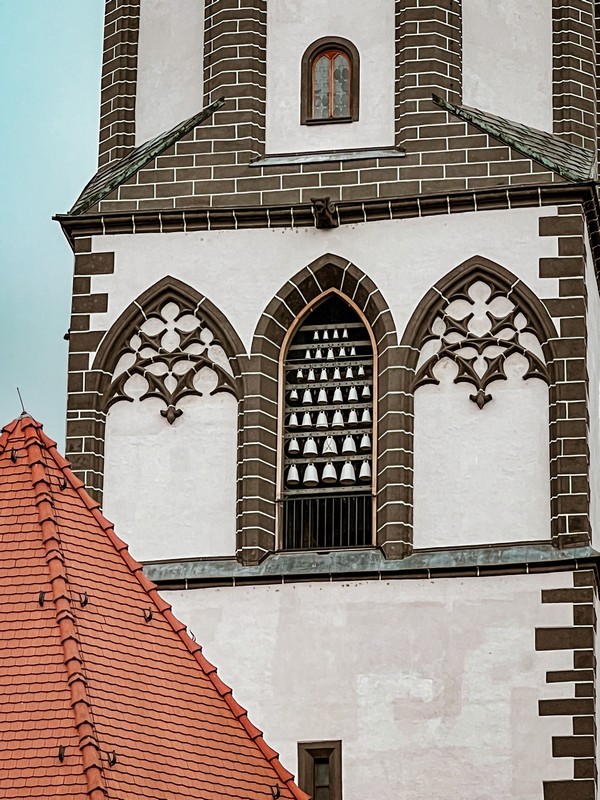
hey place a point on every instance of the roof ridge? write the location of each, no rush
(178, 627)
(89, 746)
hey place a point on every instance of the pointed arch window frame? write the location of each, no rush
(259, 426)
(147, 305)
(281, 428)
(312, 53)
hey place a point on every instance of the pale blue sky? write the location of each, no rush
(50, 55)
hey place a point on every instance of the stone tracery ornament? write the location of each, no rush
(479, 328)
(168, 351)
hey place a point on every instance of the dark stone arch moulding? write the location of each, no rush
(453, 285)
(257, 536)
(99, 379)
(167, 289)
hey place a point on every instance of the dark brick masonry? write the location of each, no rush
(569, 420)
(449, 166)
(119, 75)
(214, 165)
(580, 639)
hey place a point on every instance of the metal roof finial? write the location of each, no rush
(23, 412)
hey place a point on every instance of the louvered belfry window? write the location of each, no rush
(328, 431)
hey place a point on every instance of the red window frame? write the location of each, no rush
(331, 55)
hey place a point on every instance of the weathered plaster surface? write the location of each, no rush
(507, 59)
(481, 476)
(397, 670)
(292, 26)
(170, 66)
(181, 477)
(240, 271)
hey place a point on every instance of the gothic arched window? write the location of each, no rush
(328, 430)
(330, 82)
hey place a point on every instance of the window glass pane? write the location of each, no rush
(321, 88)
(341, 86)
(321, 772)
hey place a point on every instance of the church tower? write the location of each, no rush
(335, 328)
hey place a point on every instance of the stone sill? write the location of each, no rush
(280, 159)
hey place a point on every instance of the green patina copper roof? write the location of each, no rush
(574, 163)
(570, 161)
(107, 179)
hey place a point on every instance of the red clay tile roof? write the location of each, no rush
(104, 694)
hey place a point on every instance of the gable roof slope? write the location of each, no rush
(105, 695)
(110, 177)
(568, 160)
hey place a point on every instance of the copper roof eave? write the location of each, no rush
(109, 178)
(358, 563)
(574, 163)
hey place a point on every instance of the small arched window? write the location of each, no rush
(328, 430)
(330, 82)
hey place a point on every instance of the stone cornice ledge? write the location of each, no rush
(371, 565)
(185, 220)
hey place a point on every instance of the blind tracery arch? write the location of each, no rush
(542, 333)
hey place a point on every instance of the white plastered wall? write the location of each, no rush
(241, 271)
(507, 59)
(398, 670)
(170, 65)
(171, 488)
(493, 463)
(593, 367)
(292, 26)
